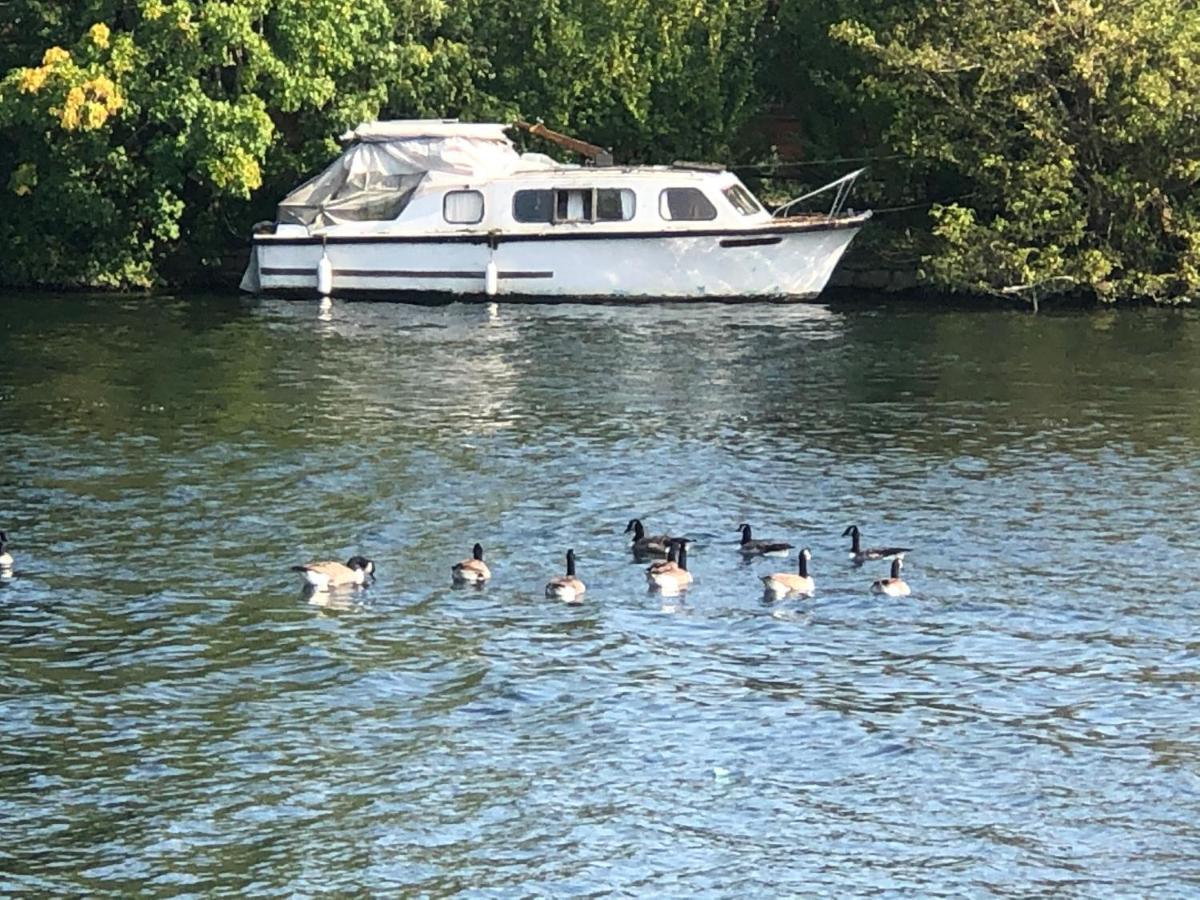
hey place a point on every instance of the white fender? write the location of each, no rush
(491, 278)
(324, 276)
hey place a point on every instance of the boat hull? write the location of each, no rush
(780, 263)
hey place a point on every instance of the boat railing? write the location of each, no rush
(841, 188)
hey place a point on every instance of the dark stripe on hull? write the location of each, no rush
(273, 272)
(750, 242)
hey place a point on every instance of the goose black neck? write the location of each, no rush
(745, 534)
(672, 552)
(683, 556)
(477, 552)
(803, 566)
(638, 531)
(896, 567)
(570, 563)
(855, 541)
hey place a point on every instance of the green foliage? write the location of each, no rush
(150, 125)
(1060, 139)
(140, 135)
(653, 79)
(1073, 127)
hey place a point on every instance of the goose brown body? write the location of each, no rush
(671, 575)
(567, 588)
(780, 584)
(331, 574)
(895, 586)
(473, 570)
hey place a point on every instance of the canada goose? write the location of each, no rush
(751, 547)
(6, 560)
(567, 587)
(646, 545)
(859, 555)
(473, 570)
(783, 583)
(329, 574)
(671, 576)
(894, 586)
(662, 564)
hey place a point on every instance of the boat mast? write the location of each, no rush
(598, 155)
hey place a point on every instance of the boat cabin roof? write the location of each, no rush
(408, 129)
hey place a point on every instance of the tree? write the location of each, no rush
(1073, 127)
(144, 130)
(653, 79)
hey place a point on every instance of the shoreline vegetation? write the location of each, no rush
(1019, 153)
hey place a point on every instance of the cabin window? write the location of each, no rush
(685, 204)
(533, 206)
(463, 207)
(614, 204)
(573, 205)
(743, 201)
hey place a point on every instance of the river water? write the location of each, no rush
(180, 718)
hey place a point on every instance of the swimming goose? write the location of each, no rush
(751, 547)
(329, 574)
(6, 560)
(567, 587)
(661, 564)
(646, 545)
(671, 576)
(783, 583)
(473, 570)
(859, 555)
(894, 586)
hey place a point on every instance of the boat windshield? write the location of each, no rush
(743, 201)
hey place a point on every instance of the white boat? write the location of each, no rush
(431, 207)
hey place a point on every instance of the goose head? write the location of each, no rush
(361, 564)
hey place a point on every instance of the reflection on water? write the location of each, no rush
(179, 715)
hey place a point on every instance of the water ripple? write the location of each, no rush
(181, 718)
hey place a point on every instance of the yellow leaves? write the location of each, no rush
(54, 56)
(68, 115)
(32, 80)
(1024, 103)
(104, 92)
(153, 10)
(237, 172)
(89, 105)
(98, 34)
(79, 96)
(1153, 89)
(856, 35)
